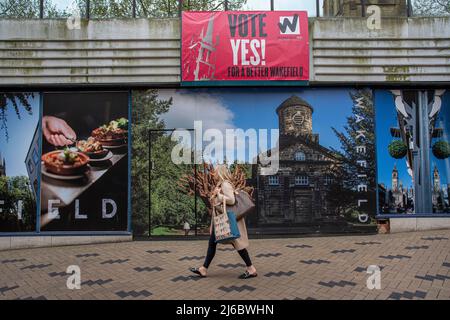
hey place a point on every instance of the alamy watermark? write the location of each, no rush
(374, 280)
(250, 146)
(73, 22)
(74, 280)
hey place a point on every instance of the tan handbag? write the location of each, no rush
(243, 205)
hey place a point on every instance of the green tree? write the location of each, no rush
(359, 132)
(169, 206)
(27, 9)
(18, 101)
(431, 7)
(13, 190)
(146, 109)
(152, 8)
(103, 9)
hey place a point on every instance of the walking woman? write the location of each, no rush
(224, 191)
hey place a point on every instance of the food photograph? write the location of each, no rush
(84, 161)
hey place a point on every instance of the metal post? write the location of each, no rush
(195, 199)
(149, 183)
(225, 3)
(363, 8)
(88, 9)
(41, 9)
(423, 182)
(133, 8)
(317, 8)
(409, 9)
(272, 5)
(180, 7)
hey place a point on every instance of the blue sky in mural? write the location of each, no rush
(247, 108)
(257, 109)
(386, 117)
(20, 136)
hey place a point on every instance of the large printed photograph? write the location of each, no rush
(19, 161)
(413, 150)
(322, 141)
(85, 141)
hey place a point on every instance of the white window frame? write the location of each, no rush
(274, 180)
(302, 180)
(299, 156)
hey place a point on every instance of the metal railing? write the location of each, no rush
(143, 8)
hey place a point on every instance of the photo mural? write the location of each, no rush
(84, 184)
(413, 151)
(309, 154)
(19, 161)
(64, 161)
(316, 159)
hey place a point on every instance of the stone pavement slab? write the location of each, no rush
(414, 266)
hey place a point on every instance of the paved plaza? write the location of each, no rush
(413, 266)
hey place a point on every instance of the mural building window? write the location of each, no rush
(301, 180)
(274, 181)
(300, 156)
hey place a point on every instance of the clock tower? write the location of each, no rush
(295, 117)
(395, 179)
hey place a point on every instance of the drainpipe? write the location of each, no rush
(41, 9)
(88, 9)
(409, 9)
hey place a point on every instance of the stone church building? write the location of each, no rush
(296, 195)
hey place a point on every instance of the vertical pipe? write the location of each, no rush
(41, 9)
(88, 9)
(149, 183)
(272, 5)
(226, 5)
(363, 8)
(133, 8)
(409, 11)
(195, 190)
(317, 8)
(180, 7)
(424, 165)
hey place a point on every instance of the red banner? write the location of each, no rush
(245, 46)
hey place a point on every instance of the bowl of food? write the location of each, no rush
(92, 148)
(65, 162)
(112, 134)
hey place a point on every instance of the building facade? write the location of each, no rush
(298, 193)
(400, 199)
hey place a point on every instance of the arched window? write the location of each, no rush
(299, 156)
(301, 180)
